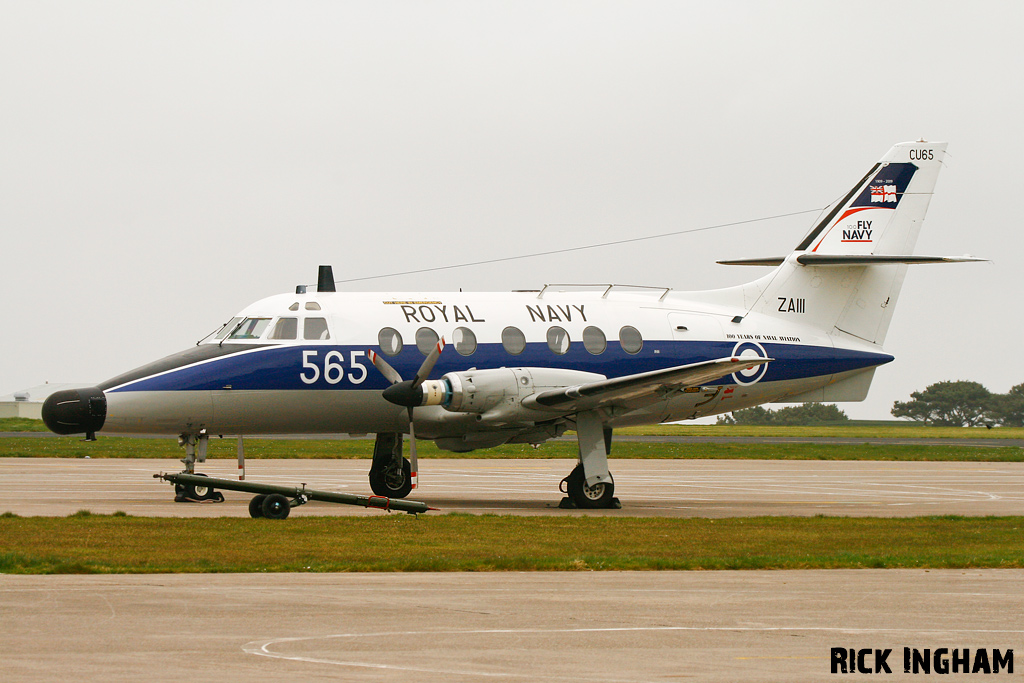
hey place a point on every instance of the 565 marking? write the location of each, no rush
(334, 370)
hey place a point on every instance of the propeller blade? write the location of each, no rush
(390, 374)
(428, 363)
(413, 460)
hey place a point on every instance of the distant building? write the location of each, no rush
(29, 402)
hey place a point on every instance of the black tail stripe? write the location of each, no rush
(835, 209)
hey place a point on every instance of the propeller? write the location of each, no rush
(409, 393)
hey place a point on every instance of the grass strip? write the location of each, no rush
(88, 543)
(21, 424)
(888, 429)
(120, 447)
(878, 430)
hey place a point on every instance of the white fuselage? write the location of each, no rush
(298, 363)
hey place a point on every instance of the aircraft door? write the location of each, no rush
(695, 327)
(703, 338)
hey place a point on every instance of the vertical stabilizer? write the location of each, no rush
(881, 215)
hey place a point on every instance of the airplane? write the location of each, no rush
(526, 366)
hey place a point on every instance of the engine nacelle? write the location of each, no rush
(497, 394)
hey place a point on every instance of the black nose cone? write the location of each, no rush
(75, 411)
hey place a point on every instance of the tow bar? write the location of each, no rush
(275, 501)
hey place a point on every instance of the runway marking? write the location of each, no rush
(261, 648)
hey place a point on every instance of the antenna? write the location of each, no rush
(325, 280)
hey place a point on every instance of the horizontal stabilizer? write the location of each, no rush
(645, 385)
(766, 261)
(850, 260)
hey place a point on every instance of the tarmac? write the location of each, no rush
(596, 626)
(653, 488)
(733, 626)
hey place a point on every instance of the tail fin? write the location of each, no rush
(846, 274)
(883, 213)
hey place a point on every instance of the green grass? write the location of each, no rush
(122, 447)
(89, 543)
(21, 424)
(883, 430)
(855, 428)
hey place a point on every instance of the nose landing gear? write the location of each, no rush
(195, 451)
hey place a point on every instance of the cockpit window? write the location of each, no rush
(286, 328)
(223, 332)
(312, 306)
(251, 328)
(315, 328)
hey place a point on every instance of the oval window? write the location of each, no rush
(464, 341)
(594, 340)
(426, 338)
(558, 340)
(630, 339)
(390, 341)
(513, 340)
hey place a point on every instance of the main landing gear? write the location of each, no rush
(390, 473)
(590, 485)
(580, 495)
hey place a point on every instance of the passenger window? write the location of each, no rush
(251, 328)
(286, 328)
(312, 306)
(594, 340)
(426, 338)
(224, 331)
(390, 341)
(315, 328)
(558, 340)
(631, 339)
(513, 340)
(464, 341)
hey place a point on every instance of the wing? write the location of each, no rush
(631, 388)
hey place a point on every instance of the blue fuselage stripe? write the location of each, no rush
(283, 367)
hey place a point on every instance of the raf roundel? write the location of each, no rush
(749, 349)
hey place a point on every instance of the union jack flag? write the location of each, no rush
(883, 193)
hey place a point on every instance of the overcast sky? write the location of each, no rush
(163, 164)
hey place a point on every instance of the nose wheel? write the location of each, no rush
(197, 493)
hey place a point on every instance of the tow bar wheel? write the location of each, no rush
(276, 506)
(256, 506)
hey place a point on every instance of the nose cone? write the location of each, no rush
(404, 394)
(74, 411)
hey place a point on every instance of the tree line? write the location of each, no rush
(963, 404)
(943, 404)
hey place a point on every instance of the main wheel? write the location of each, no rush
(276, 506)
(392, 483)
(256, 506)
(589, 497)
